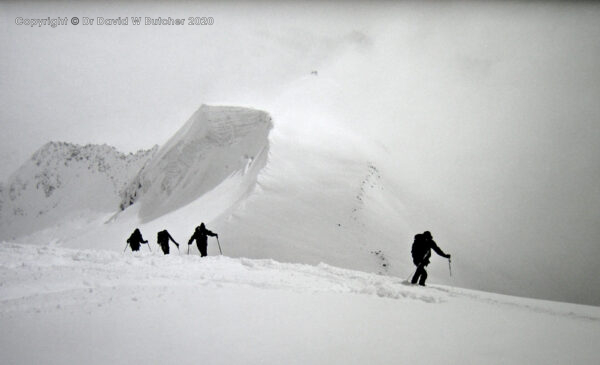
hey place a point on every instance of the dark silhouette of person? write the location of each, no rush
(201, 235)
(163, 238)
(135, 239)
(421, 252)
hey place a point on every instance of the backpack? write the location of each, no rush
(418, 247)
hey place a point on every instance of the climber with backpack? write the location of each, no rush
(201, 235)
(421, 252)
(135, 239)
(162, 238)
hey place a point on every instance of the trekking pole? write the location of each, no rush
(127, 244)
(148, 243)
(188, 249)
(450, 266)
(410, 276)
(219, 245)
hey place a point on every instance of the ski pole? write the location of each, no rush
(450, 266)
(127, 244)
(188, 249)
(149, 246)
(219, 245)
(410, 276)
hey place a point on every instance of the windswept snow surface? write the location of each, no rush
(308, 191)
(301, 188)
(216, 142)
(65, 306)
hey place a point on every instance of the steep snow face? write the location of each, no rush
(326, 194)
(215, 143)
(62, 180)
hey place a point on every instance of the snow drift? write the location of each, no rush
(215, 143)
(61, 306)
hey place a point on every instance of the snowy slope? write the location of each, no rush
(320, 198)
(62, 306)
(215, 143)
(326, 194)
(307, 192)
(318, 194)
(64, 181)
(294, 184)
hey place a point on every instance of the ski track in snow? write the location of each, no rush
(42, 278)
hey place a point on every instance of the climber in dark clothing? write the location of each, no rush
(421, 252)
(200, 235)
(163, 238)
(135, 239)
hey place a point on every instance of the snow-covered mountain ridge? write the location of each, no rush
(216, 142)
(309, 218)
(62, 179)
(304, 194)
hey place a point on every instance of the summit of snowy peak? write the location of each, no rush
(214, 144)
(62, 178)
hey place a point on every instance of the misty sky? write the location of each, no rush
(492, 111)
